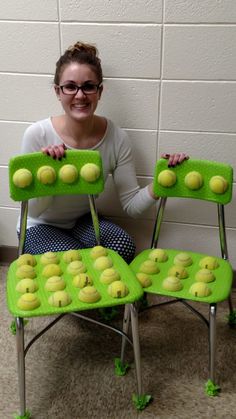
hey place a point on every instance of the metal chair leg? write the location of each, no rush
(21, 363)
(126, 323)
(137, 357)
(212, 341)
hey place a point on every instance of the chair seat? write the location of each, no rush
(219, 287)
(44, 308)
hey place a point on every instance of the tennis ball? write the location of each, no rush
(90, 172)
(28, 301)
(149, 267)
(22, 178)
(117, 289)
(49, 257)
(158, 255)
(26, 285)
(51, 270)
(89, 294)
(109, 275)
(183, 259)
(208, 262)
(59, 299)
(71, 255)
(172, 283)
(166, 178)
(144, 279)
(218, 184)
(102, 263)
(204, 275)
(55, 283)
(82, 280)
(193, 180)
(200, 289)
(68, 173)
(178, 271)
(46, 175)
(25, 271)
(98, 251)
(76, 267)
(26, 259)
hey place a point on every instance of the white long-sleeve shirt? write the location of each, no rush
(117, 159)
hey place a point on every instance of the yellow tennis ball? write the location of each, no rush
(103, 262)
(158, 255)
(218, 184)
(26, 285)
(90, 172)
(166, 178)
(22, 178)
(200, 289)
(193, 180)
(178, 271)
(55, 283)
(109, 275)
(183, 259)
(68, 173)
(144, 279)
(98, 251)
(204, 275)
(26, 259)
(172, 283)
(82, 280)
(208, 262)
(118, 289)
(89, 294)
(52, 269)
(71, 255)
(76, 267)
(46, 175)
(48, 258)
(59, 299)
(149, 267)
(28, 301)
(25, 271)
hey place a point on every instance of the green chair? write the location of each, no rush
(68, 282)
(182, 274)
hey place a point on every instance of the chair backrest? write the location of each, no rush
(196, 179)
(36, 175)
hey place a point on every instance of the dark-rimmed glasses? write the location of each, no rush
(87, 88)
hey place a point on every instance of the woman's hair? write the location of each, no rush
(82, 54)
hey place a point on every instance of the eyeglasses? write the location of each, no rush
(87, 88)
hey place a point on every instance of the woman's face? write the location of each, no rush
(79, 105)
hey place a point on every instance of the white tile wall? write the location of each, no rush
(169, 68)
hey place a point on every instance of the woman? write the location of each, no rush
(56, 223)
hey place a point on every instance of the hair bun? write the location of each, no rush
(81, 47)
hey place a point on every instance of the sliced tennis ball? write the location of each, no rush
(68, 173)
(90, 172)
(59, 299)
(98, 251)
(200, 289)
(89, 294)
(51, 269)
(49, 257)
(82, 280)
(183, 259)
(55, 283)
(158, 255)
(117, 289)
(166, 178)
(25, 271)
(28, 301)
(144, 279)
(22, 178)
(209, 262)
(204, 275)
(46, 175)
(71, 255)
(26, 285)
(218, 184)
(109, 275)
(193, 180)
(172, 283)
(149, 267)
(26, 259)
(102, 263)
(76, 267)
(178, 271)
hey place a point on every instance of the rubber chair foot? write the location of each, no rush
(121, 369)
(142, 401)
(212, 389)
(27, 415)
(232, 318)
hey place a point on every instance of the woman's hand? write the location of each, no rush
(174, 159)
(55, 151)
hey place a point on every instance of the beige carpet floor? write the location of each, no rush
(70, 369)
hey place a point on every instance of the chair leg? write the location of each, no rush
(137, 356)
(21, 363)
(126, 323)
(212, 340)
